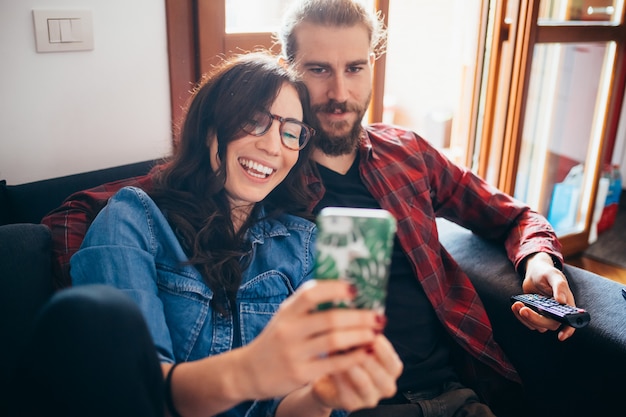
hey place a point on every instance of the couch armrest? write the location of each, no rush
(26, 282)
(585, 375)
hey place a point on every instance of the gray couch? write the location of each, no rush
(584, 376)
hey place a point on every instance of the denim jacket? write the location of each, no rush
(131, 246)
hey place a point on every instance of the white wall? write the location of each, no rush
(69, 112)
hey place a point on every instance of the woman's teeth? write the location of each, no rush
(255, 169)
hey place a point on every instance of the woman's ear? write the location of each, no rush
(215, 158)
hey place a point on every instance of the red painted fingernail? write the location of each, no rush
(353, 290)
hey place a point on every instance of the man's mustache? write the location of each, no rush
(332, 106)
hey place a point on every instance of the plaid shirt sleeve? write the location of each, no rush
(69, 222)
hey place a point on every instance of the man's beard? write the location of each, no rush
(336, 145)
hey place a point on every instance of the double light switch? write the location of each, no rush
(63, 30)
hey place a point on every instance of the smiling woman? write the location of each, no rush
(195, 263)
(205, 204)
(258, 162)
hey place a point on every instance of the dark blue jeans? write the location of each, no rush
(90, 355)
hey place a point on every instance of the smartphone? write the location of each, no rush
(355, 244)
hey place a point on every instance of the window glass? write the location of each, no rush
(244, 16)
(560, 11)
(431, 64)
(562, 130)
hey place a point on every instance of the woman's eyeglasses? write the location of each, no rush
(293, 133)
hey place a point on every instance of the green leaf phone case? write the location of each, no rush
(355, 244)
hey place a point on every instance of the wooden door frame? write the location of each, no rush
(182, 57)
(377, 104)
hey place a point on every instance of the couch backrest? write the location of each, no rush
(29, 203)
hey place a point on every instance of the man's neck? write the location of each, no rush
(340, 164)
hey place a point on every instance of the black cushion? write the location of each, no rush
(26, 282)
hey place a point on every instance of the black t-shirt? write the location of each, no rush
(412, 326)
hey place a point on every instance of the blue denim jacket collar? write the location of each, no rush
(265, 228)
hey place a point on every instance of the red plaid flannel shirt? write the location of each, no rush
(70, 221)
(416, 184)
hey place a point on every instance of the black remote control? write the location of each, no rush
(549, 307)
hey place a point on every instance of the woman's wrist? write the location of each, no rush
(207, 386)
(169, 400)
(241, 380)
(302, 399)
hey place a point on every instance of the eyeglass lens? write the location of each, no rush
(293, 133)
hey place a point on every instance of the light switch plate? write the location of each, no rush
(77, 33)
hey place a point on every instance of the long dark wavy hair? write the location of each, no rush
(192, 194)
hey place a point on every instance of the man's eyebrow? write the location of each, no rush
(326, 64)
(358, 62)
(315, 64)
